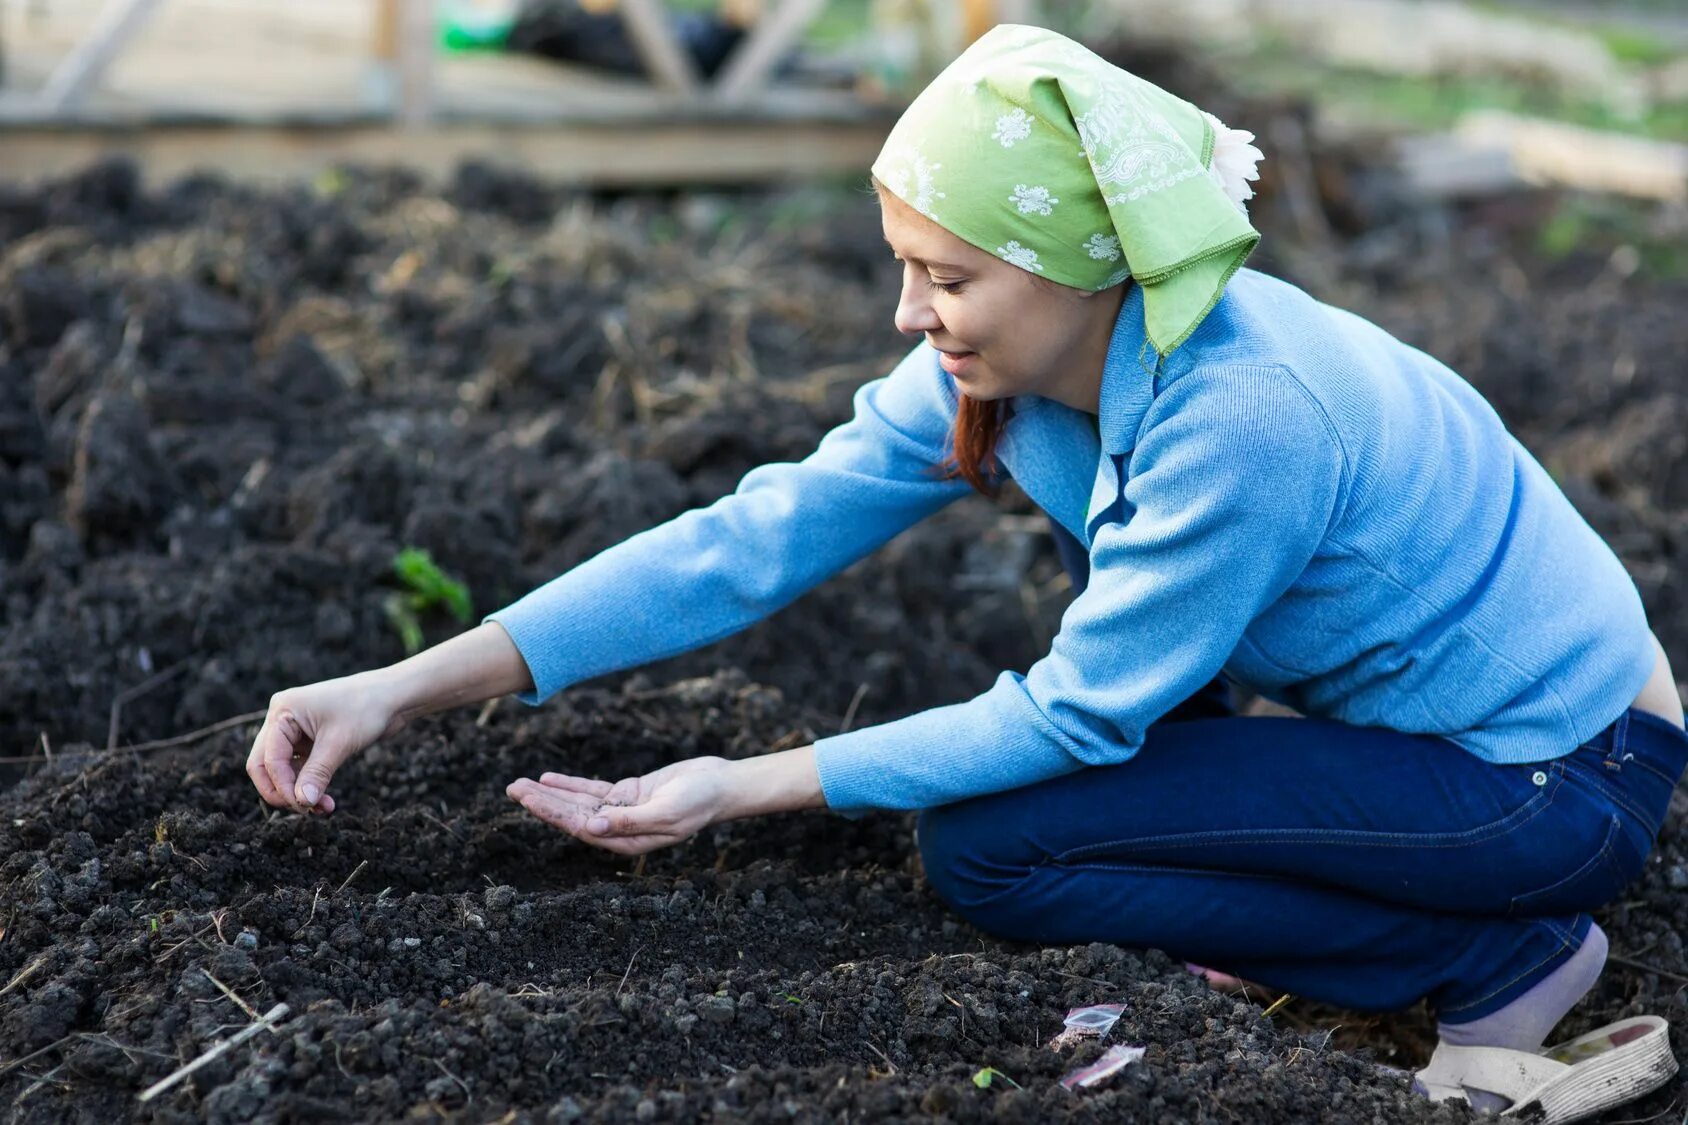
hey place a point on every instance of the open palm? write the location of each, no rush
(631, 816)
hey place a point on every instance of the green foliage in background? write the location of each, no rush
(427, 588)
(1601, 225)
(1437, 103)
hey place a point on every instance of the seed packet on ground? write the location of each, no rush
(1092, 1022)
(1113, 1060)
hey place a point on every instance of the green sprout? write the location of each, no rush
(428, 587)
(982, 1078)
(330, 182)
(790, 999)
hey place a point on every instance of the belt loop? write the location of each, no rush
(1619, 753)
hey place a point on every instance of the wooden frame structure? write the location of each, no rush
(674, 128)
(404, 34)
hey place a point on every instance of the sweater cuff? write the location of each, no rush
(934, 757)
(525, 628)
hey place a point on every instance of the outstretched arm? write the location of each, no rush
(711, 572)
(311, 730)
(693, 580)
(1232, 492)
(673, 803)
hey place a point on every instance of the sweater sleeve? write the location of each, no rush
(712, 571)
(1234, 483)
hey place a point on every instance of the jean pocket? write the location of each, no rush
(1591, 885)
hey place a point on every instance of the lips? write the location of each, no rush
(954, 362)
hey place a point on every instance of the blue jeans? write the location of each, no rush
(1355, 865)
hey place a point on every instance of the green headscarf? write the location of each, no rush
(1034, 149)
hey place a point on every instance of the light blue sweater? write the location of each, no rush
(1328, 515)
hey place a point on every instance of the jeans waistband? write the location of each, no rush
(1641, 737)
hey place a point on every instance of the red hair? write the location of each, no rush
(978, 424)
(978, 427)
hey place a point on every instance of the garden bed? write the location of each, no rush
(222, 413)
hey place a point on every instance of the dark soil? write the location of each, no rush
(223, 411)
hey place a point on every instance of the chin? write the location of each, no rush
(983, 390)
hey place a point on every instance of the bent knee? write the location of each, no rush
(972, 863)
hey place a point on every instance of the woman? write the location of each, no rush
(1245, 483)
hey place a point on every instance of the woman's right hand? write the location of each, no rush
(309, 733)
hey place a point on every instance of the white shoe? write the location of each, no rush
(1567, 1082)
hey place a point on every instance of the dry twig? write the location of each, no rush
(267, 1023)
(1643, 967)
(140, 689)
(628, 973)
(25, 973)
(230, 993)
(358, 870)
(850, 712)
(158, 744)
(15, 1063)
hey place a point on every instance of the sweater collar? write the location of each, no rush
(1128, 377)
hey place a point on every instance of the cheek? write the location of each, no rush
(978, 321)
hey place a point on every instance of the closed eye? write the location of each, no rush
(947, 286)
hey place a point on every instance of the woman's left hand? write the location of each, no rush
(634, 815)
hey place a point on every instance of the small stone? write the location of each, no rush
(684, 1024)
(1677, 877)
(565, 1112)
(246, 940)
(717, 1009)
(231, 962)
(645, 1110)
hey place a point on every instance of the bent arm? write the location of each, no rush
(1234, 484)
(713, 571)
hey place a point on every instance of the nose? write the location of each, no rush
(915, 314)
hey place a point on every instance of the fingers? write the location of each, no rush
(635, 821)
(557, 807)
(286, 741)
(318, 771)
(261, 776)
(625, 831)
(274, 764)
(591, 786)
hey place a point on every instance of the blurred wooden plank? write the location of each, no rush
(677, 153)
(748, 68)
(417, 47)
(653, 37)
(81, 69)
(1491, 151)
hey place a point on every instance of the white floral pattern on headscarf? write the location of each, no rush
(1036, 150)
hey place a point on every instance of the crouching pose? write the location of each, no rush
(1247, 486)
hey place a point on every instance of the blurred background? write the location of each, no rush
(610, 92)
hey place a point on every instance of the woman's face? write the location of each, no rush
(1002, 331)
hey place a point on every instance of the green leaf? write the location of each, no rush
(982, 1078)
(430, 586)
(403, 619)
